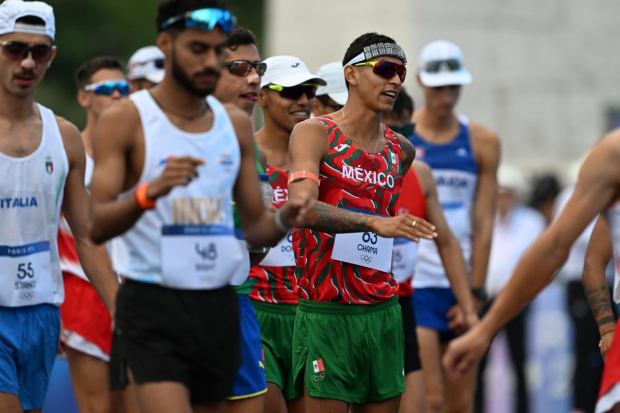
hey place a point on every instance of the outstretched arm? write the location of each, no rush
(308, 146)
(598, 255)
(76, 209)
(596, 188)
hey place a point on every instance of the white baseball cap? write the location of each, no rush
(13, 10)
(510, 178)
(287, 71)
(147, 63)
(336, 88)
(441, 64)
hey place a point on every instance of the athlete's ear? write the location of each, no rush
(351, 75)
(83, 99)
(54, 53)
(164, 42)
(262, 98)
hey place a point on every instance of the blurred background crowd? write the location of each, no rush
(543, 80)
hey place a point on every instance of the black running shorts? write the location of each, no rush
(412, 351)
(186, 336)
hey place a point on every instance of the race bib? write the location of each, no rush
(243, 269)
(199, 257)
(404, 257)
(281, 255)
(25, 275)
(365, 249)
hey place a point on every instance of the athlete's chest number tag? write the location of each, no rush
(199, 256)
(365, 249)
(404, 257)
(26, 275)
(282, 254)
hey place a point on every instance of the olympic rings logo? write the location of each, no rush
(27, 296)
(366, 259)
(398, 257)
(318, 377)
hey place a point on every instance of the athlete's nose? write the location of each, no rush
(303, 100)
(253, 78)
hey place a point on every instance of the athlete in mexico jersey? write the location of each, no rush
(456, 174)
(275, 278)
(354, 180)
(411, 201)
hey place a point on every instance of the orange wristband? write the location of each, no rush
(141, 198)
(300, 175)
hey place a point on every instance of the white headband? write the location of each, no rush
(29, 28)
(379, 49)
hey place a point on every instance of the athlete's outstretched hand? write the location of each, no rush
(465, 352)
(403, 226)
(178, 171)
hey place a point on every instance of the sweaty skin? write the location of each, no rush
(598, 255)
(597, 187)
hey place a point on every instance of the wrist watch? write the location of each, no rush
(480, 294)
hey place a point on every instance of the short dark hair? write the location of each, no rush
(403, 103)
(357, 46)
(240, 36)
(172, 8)
(84, 74)
(545, 188)
(367, 39)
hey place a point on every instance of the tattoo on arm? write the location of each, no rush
(336, 220)
(600, 304)
(408, 155)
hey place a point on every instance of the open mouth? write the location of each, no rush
(390, 93)
(301, 113)
(253, 96)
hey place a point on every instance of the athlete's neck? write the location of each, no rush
(170, 94)
(87, 133)
(273, 139)
(360, 122)
(435, 127)
(17, 108)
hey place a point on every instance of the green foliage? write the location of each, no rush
(89, 28)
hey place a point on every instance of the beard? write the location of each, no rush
(186, 82)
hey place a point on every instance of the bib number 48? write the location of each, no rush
(25, 270)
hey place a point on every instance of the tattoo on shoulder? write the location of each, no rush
(408, 154)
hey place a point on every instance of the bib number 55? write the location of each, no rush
(25, 270)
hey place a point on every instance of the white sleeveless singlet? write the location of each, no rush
(31, 194)
(187, 241)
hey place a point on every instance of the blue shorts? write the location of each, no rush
(250, 380)
(431, 306)
(29, 338)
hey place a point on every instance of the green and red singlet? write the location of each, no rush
(352, 179)
(275, 285)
